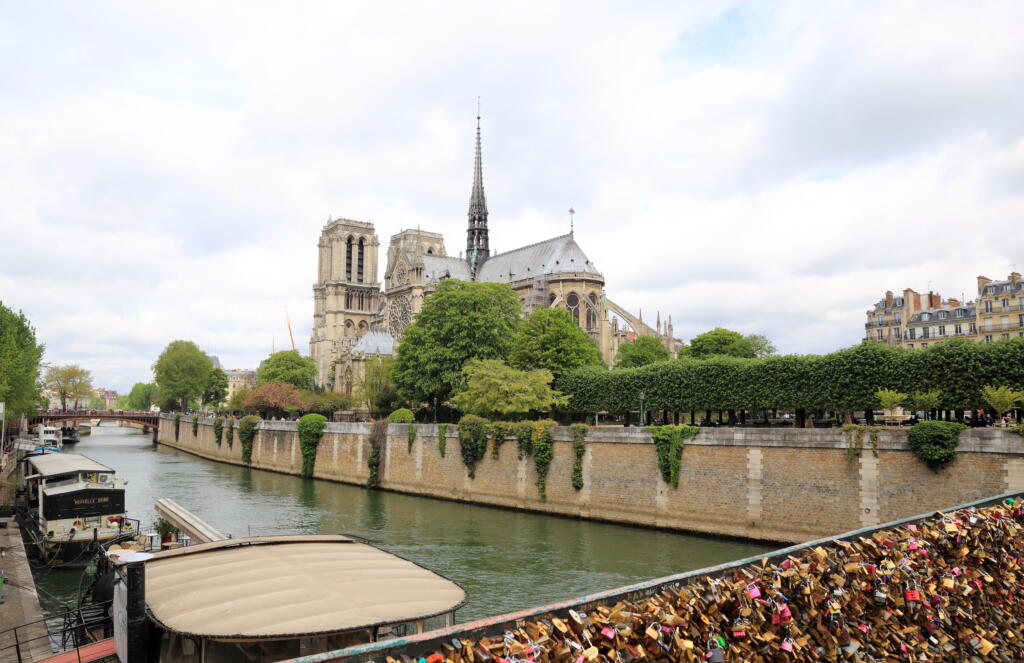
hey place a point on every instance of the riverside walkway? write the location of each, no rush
(22, 630)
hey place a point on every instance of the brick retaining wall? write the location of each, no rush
(774, 484)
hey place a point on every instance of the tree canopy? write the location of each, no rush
(20, 355)
(288, 366)
(644, 350)
(721, 341)
(550, 339)
(142, 396)
(216, 388)
(459, 322)
(274, 397)
(182, 372)
(494, 389)
(71, 382)
(762, 346)
(377, 388)
(844, 381)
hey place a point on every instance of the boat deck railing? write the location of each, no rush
(79, 627)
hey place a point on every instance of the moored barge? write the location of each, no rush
(70, 506)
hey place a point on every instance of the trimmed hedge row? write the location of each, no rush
(844, 381)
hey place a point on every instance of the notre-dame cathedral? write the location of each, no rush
(355, 318)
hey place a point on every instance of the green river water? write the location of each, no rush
(506, 560)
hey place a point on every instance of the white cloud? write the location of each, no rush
(165, 169)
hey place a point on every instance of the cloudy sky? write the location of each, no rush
(166, 168)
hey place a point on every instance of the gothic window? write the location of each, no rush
(348, 300)
(399, 315)
(430, 251)
(359, 268)
(362, 325)
(592, 313)
(573, 303)
(348, 259)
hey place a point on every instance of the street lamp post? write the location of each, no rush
(642, 421)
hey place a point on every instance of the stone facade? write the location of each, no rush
(349, 302)
(1000, 308)
(787, 485)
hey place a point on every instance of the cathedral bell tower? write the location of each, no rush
(477, 246)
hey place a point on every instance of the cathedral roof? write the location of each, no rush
(436, 268)
(374, 342)
(559, 255)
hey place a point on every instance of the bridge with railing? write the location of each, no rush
(144, 417)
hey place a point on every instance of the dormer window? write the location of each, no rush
(943, 315)
(959, 313)
(926, 316)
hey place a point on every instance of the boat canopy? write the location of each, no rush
(290, 586)
(49, 465)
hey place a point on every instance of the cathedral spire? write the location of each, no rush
(477, 245)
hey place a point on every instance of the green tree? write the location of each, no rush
(142, 396)
(377, 388)
(925, 401)
(761, 345)
(71, 382)
(96, 403)
(1001, 399)
(181, 373)
(288, 366)
(20, 356)
(890, 399)
(459, 322)
(237, 401)
(494, 389)
(550, 338)
(122, 402)
(645, 350)
(216, 388)
(720, 341)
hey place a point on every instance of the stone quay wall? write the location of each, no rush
(770, 484)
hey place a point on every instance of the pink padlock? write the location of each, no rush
(786, 645)
(608, 632)
(753, 591)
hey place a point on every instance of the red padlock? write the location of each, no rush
(912, 596)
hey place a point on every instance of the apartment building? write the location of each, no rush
(888, 321)
(1000, 308)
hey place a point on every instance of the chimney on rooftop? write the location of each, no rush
(888, 299)
(982, 282)
(1014, 277)
(934, 300)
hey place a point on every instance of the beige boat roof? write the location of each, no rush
(50, 465)
(290, 586)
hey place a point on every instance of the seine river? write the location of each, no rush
(506, 560)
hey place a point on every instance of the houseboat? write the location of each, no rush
(69, 506)
(267, 599)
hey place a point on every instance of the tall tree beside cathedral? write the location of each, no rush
(459, 322)
(552, 340)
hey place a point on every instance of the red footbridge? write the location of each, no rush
(143, 417)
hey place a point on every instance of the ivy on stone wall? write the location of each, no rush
(378, 438)
(218, 430)
(472, 441)
(195, 425)
(935, 442)
(410, 436)
(442, 438)
(579, 448)
(499, 431)
(854, 434)
(524, 439)
(311, 428)
(177, 425)
(230, 430)
(543, 451)
(246, 434)
(668, 444)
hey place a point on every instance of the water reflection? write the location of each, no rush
(507, 560)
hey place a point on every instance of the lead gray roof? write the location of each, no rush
(436, 268)
(375, 342)
(559, 255)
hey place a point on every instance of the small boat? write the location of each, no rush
(69, 434)
(49, 438)
(70, 506)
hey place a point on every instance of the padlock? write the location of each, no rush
(880, 597)
(716, 655)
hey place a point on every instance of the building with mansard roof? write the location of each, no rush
(357, 318)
